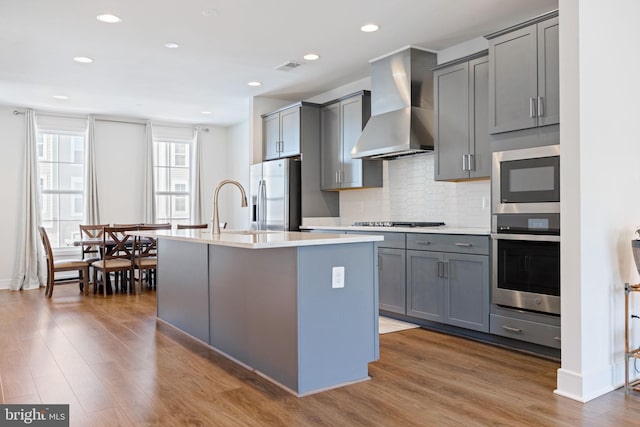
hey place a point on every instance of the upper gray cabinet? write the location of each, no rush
(524, 75)
(461, 90)
(342, 121)
(282, 130)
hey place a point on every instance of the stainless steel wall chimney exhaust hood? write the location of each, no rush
(401, 120)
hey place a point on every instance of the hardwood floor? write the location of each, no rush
(115, 365)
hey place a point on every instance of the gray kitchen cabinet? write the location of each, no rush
(283, 130)
(524, 75)
(342, 121)
(391, 271)
(461, 90)
(448, 279)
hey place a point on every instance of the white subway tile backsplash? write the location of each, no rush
(409, 193)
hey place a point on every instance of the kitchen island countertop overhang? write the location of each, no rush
(300, 309)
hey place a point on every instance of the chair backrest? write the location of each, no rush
(165, 226)
(90, 232)
(192, 226)
(127, 225)
(48, 252)
(117, 244)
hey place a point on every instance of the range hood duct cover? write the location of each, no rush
(401, 120)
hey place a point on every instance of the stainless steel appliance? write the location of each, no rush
(275, 195)
(526, 180)
(401, 120)
(526, 261)
(398, 224)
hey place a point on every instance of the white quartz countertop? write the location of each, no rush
(443, 229)
(260, 239)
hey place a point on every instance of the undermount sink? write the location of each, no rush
(249, 232)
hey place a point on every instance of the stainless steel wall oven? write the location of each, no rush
(526, 261)
(525, 229)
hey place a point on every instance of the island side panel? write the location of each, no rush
(253, 309)
(183, 286)
(338, 327)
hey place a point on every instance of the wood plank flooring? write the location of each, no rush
(116, 366)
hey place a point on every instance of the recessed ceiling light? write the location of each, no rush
(171, 45)
(61, 97)
(108, 18)
(311, 57)
(206, 112)
(210, 12)
(369, 28)
(83, 59)
(254, 84)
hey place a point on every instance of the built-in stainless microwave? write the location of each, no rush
(526, 180)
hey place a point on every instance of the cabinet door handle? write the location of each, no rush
(471, 162)
(510, 329)
(464, 245)
(532, 108)
(540, 107)
(440, 268)
(423, 242)
(379, 262)
(557, 338)
(336, 177)
(464, 162)
(445, 270)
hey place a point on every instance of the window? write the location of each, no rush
(61, 166)
(172, 172)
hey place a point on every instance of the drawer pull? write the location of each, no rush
(510, 329)
(423, 242)
(464, 245)
(557, 338)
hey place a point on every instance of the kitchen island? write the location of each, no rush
(300, 309)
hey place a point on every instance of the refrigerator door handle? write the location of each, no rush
(263, 205)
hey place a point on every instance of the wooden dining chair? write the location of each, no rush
(117, 249)
(91, 253)
(145, 255)
(192, 226)
(53, 267)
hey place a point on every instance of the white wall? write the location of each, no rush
(463, 49)
(600, 180)
(239, 159)
(11, 163)
(215, 168)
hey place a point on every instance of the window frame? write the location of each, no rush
(75, 216)
(174, 216)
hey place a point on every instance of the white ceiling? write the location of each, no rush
(135, 75)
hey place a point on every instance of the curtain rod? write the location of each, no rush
(112, 119)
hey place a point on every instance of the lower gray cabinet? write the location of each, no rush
(392, 279)
(448, 287)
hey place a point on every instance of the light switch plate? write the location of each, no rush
(337, 277)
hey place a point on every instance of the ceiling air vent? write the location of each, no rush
(288, 66)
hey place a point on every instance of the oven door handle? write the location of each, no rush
(526, 237)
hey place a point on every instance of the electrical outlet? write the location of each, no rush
(337, 277)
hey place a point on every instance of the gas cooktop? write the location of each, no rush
(397, 224)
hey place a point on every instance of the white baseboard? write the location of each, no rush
(4, 283)
(576, 386)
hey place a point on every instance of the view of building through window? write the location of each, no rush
(61, 167)
(172, 181)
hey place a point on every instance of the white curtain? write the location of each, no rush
(149, 206)
(91, 210)
(29, 270)
(197, 200)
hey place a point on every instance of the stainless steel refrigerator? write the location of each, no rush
(275, 195)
